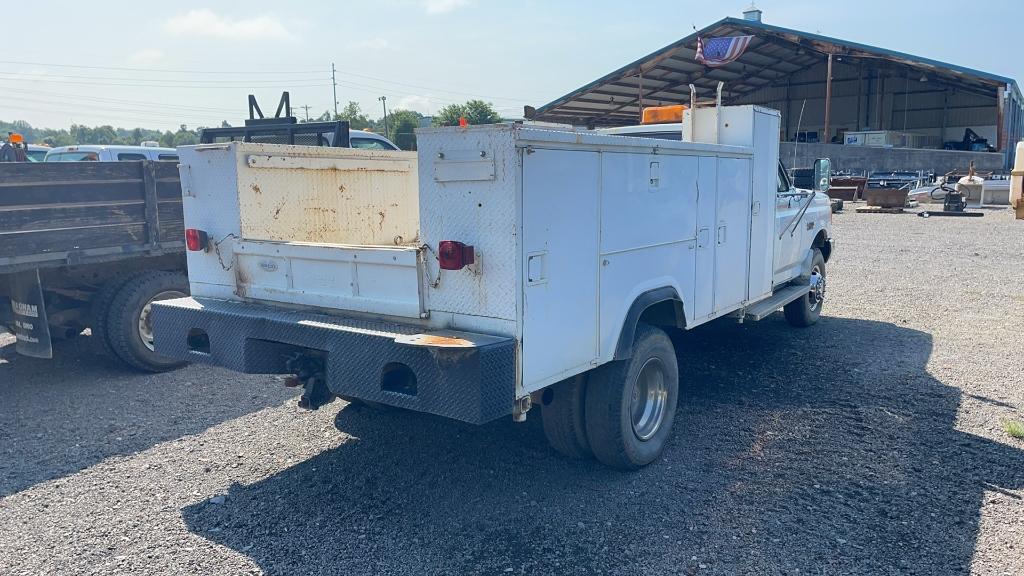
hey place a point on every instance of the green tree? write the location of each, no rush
(104, 135)
(167, 139)
(185, 137)
(357, 120)
(474, 111)
(401, 127)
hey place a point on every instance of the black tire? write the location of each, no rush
(126, 311)
(562, 410)
(615, 439)
(100, 310)
(805, 311)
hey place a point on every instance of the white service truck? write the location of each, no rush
(497, 268)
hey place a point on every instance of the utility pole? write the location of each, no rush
(334, 83)
(306, 108)
(384, 103)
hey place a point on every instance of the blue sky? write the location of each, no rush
(163, 64)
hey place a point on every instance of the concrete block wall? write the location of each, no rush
(870, 159)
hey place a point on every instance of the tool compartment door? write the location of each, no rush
(559, 264)
(731, 235)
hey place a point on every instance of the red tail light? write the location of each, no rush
(454, 255)
(196, 240)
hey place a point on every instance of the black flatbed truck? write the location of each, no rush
(89, 245)
(93, 244)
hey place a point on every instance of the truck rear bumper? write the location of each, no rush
(465, 376)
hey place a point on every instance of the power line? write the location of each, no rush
(196, 87)
(129, 117)
(43, 76)
(462, 93)
(421, 87)
(119, 109)
(129, 69)
(100, 99)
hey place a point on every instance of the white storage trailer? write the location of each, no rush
(498, 267)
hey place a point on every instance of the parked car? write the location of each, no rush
(105, 153)
(36, 153)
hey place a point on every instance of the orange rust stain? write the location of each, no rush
(434, 340)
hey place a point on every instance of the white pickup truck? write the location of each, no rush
(497, 268)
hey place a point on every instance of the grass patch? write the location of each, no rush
(1014, 428)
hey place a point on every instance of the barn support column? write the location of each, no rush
(879, 112)
(1001, 119)
(828, 99)
(860, 93)
(945, 112)
(789, 107)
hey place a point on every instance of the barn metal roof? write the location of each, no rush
(774, 54)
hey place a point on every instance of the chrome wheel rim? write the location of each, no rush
(649, 399)
(817, 294)
(146, 324)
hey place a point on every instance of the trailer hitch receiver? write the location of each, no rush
(308, 368)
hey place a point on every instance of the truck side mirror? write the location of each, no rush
(822, 174)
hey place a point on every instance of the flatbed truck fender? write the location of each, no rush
(666, 297)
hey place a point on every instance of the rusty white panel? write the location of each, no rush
(327, 195)
(461, 201)
(380, 280)
(367, 164)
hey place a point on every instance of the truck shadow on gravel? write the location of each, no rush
(829, 449)
(60, 416)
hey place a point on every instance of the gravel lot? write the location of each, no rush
(871, 443)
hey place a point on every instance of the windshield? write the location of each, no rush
(36, 155)
(783, 179)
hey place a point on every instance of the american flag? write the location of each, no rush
(717, 52)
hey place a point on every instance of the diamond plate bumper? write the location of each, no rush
(465, 376)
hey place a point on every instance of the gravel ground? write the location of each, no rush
(871, 443)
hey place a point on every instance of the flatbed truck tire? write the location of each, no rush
(562, 413)
(126, 319)
(631, 403)
(100, 311)
(806, 310)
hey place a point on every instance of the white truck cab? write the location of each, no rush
(109, 153)
(497, 268)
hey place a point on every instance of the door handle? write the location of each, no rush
(702, 237)
(721, 235)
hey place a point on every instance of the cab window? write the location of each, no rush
(168, 157)
(369, 144)
(73, 157)
(130, 157)
(783, 180)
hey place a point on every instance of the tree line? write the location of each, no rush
(400, 127)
